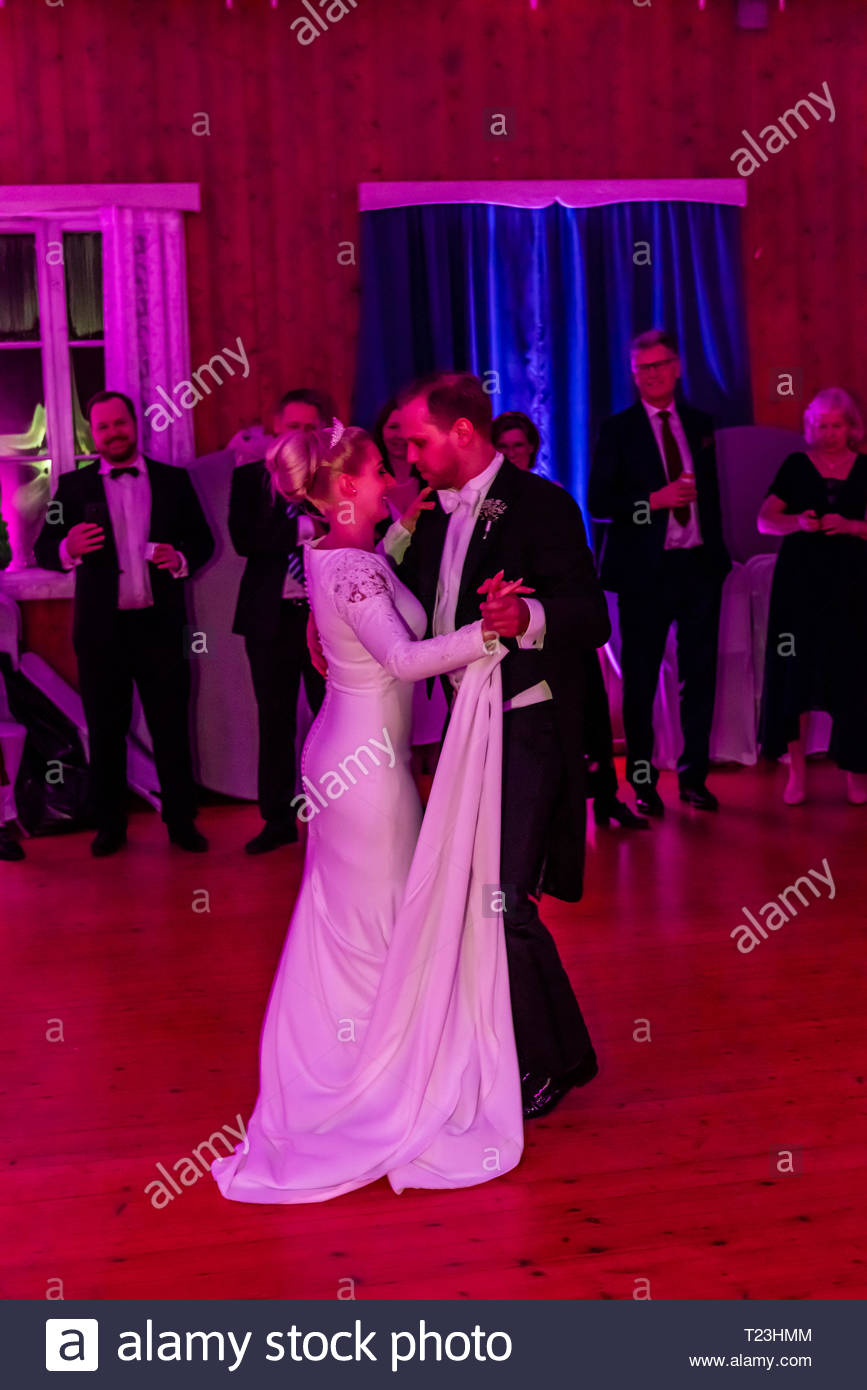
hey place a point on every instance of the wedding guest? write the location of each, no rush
(133, 531)
(518, 440)
(429, 710)
(816, 655)
(389, 438)
(654, 484)
(272, 612)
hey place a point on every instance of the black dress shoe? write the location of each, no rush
(699, 797)
(649, 802)
(608, 808)
(107, 842)
(10, 850)
(272, 836)
(539, 1094)
(187, 837)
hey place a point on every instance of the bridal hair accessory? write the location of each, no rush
(338, 429)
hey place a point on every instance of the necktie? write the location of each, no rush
(295, 559)
(119, 472)
(673, 462)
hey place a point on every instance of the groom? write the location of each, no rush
(494, 516)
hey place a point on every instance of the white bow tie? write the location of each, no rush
(451, 500)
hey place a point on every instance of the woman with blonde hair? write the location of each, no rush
(388, 1047)
(816, 656)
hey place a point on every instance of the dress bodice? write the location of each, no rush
(799, 484)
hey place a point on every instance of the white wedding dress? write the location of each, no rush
(387, 1046)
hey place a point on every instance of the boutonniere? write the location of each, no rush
(491, 510)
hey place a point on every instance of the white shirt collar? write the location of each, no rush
(655, 409)
(483, 479)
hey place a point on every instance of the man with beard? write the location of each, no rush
(493, 516)
(133, 531)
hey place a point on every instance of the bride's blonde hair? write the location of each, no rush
(304, 463)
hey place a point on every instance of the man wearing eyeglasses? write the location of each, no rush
(654, 485)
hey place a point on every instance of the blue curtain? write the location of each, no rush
(542, 304)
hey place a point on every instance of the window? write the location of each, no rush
(92, 292)
(53, 340)
(52, 358)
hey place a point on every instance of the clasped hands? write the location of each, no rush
(832, 524)
(504, 614)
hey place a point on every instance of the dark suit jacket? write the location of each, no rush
(263, 533)
(539, 537)
(627, 467)
(176, 519)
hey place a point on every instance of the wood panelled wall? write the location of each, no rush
(96, 91)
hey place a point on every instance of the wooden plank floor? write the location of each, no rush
(655, 1180)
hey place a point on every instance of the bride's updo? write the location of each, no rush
(305, 464)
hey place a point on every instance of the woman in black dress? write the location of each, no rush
(816, 655)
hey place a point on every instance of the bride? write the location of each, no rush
(387, 1047)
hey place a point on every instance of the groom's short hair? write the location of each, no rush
(451, 396)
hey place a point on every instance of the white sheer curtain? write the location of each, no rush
(146, 330)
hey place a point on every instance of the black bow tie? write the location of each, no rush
(119, 472)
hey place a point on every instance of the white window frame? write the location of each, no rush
(49, 210)
(54, 341)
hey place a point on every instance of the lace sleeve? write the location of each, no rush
(358, 577)
(363, 592)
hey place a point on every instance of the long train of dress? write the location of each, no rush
(387, 1046)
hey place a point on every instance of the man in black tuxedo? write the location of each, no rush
(654, 485)
(272, 615)
(133, 530)
(494, 516)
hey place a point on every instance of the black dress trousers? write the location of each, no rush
(688, 593)
(148, 652)
(278, 664)
(550, 1033)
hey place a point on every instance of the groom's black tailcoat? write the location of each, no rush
(540, 538)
